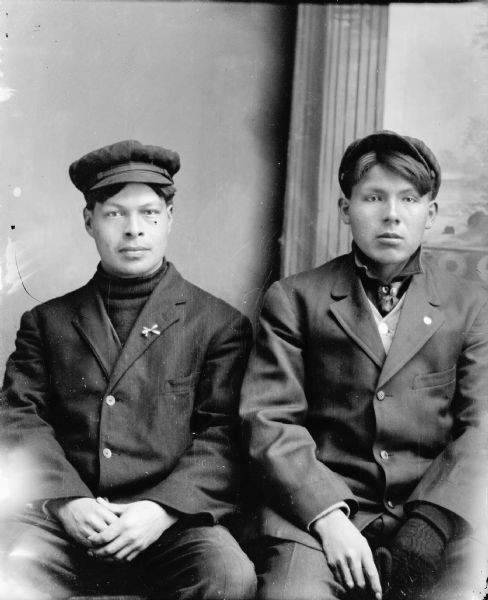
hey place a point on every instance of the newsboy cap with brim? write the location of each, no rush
(383, 141)
(124, 162)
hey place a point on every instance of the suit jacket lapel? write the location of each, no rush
(354, 315)
(419, 320)
(160, 310)
(94, 326)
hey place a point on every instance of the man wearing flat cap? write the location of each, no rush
(365, 404)
(121, 398)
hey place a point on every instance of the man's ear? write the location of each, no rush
(344, 210)
(433, 208)
(87, 217)
(169, 211)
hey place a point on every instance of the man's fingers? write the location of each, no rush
(372, 576)
(337, 573)
(356, 569)
(116, 509)
(99, 524)
(133, 555)
(109, 550)
(345, 574)
(357, 572)
(84, 536)
(106, 536)
(107, 515)
(125, 552)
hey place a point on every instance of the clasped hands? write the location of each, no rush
(111, 531)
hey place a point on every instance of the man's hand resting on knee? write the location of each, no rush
(81, 517)
(347, 553)
(136, 527)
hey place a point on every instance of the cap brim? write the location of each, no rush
(132, 176)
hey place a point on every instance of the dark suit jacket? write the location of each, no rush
(329, 418)
(172, 429)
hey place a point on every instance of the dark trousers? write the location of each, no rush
(190, 561)
(292, 571)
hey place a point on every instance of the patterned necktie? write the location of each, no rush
(387, 296)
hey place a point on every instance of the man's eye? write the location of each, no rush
(151, 211)
(410, 199)
(112, 213)
(373, 198)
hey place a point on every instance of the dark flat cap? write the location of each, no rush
(382, 141)
(124, 162)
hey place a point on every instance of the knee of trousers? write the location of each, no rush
(229, 576)
(292, 571)
(298, 590)
(226, 572)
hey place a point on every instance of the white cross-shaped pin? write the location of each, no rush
(153, 329)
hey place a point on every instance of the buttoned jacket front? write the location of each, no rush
(154, 420)
(328, 417)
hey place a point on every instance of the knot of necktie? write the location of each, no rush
(387, 296)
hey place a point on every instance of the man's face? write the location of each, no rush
(388, 218)
(130, 230)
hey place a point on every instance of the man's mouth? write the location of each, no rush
(390, 236)
(133, 249)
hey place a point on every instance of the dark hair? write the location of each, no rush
(401, 164)
(166, 192)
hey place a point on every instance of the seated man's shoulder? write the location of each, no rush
(452, 288)
(65, 303)
(210, 307)
(319, 278)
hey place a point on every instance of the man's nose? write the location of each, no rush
(391, 210)
(133, 225)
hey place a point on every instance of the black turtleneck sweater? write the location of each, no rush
(124, 298)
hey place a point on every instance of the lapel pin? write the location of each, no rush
(427, 320)
(153, 329)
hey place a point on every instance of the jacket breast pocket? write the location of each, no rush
(436, 379)
(182, 384)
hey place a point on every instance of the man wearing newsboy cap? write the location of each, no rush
(121, 398)
(365, 404)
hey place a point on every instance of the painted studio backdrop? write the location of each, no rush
(208, 80)
(260, 100)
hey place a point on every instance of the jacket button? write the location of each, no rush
(110, 400)
(390, 504)
(380, 395)
(384, 455)
(107, 452)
